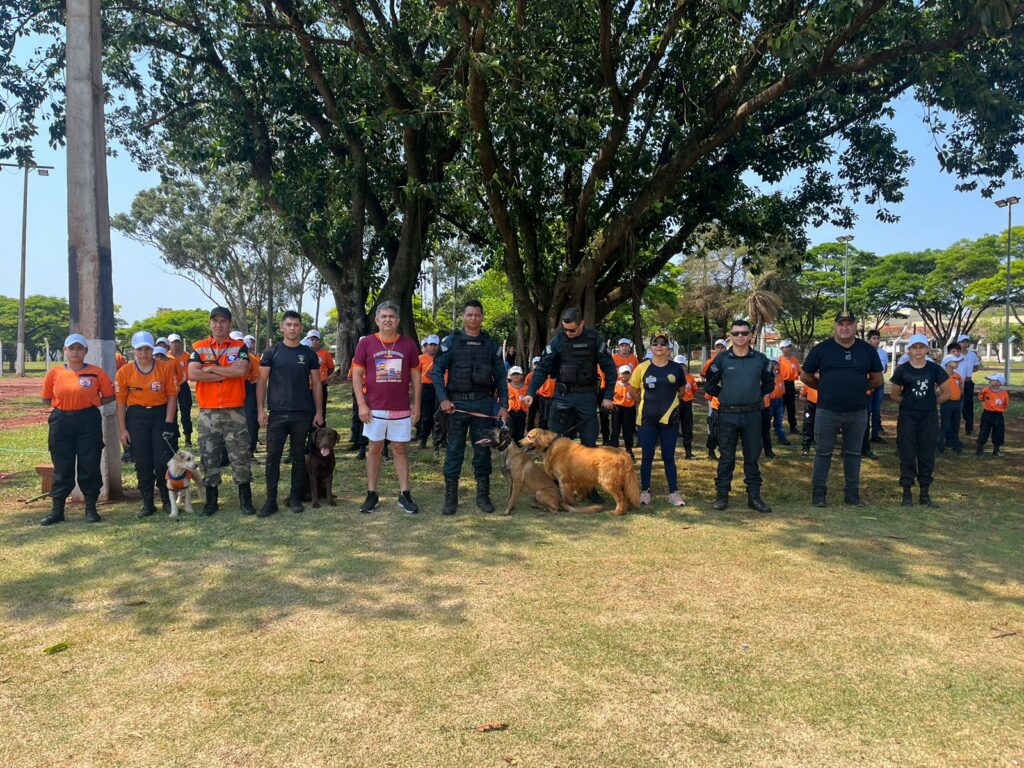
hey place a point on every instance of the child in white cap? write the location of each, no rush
(951, 410)
(994, 402)
(623, 410)
(517, 387)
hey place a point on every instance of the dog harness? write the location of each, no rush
(178, 482)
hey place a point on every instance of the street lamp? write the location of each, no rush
(845, 240)
(1008, 203)
(42, 170)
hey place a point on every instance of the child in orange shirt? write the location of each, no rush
(768, 412)
(623, 411)
(951, 410)
(517, 387)
(994, 402)
(778, 401)
(686, 395)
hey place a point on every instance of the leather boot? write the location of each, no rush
(758, 504)
(245, 499)
(56, 513)
(483, 495)
(926, 499)
(451, 497)
(211, 505)
(720, 503)
(908, 498)
(148, 508)
(269, 507)
(91, 515)
(165, 499)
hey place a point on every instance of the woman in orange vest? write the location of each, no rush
(147, 404)
(76, 390)
(517, 387)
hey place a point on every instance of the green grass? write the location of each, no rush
(670, 637)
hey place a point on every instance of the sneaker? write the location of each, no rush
(783, 440)
(805, 451)
(645, 498)
(997, 452)
(870, 455)
(676, 499)
(372, 500)
(405, 502)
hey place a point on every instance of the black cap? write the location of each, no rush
(846, 316)
(224, 311)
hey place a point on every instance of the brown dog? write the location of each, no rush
(320, 467)
(579, 469)
(523, 473)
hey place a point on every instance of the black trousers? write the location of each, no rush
(917, 439)
(605, 419)
(76, 443)
(185, 410)
(968, 398)
(517, 424)
(766, 430)
(251, 418)
(686, 424)
(149, 451)
(789, 398)
(459, 424)
(807, 433)
(624, 423)
(357, 425)
(733, 429)
(992, 423)
(324, 390)
(293, 425)
(712, 430)
(428, 404)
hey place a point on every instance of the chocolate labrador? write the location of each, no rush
(320, 466)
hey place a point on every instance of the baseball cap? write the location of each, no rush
(721, 343)
(222, 311)
(996, 377)
(785, 343)
(681, 359)
(313, 334)
(306, 342)
(249, 340)
(514, 369)
(846, 316)
(773, 360)
(625, 341)
(951, 359)
(159, 350)
(627, 368)
(174, 337)
(963, 337)
(236, 335)
(162, 341)
(76, 338)
(142, 339)
(535, 361)
(433, 339)
(917, 338)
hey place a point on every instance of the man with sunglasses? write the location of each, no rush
(740, 377)
(841, 369)
(573, 357)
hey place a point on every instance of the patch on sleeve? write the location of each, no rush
(547, 350)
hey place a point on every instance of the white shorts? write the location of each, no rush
(383, 428)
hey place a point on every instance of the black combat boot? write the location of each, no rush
(758, 504)
(926, 499)
(245, 499)
(91, 515)
(211, 506)
(269, 506)
(721, 502)
(56, 512)
(451, 497)
(165, 498)
(148, 508)
(908, 497)
(483, 495)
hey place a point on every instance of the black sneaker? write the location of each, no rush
(819, 500)
(998, 452)
(269, 508)
(372, 500)
(806, 451)
(871, 455)
(720, 503)
(295, 504)
(783, 441)
(405, 502)
(853, 500)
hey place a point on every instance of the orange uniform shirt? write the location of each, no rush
(70, 390)
(623, 395)
(229, 393)
(811, 395)
(514, 393)
(631, 360)
(119, 361)
(548, 390)
(789, 368)
(133, 387)
(326, 363)
(996, 402)
(254, 368)
(956, 386)
(689, 390)
(182, 362)
(780, 386)
(427, 368)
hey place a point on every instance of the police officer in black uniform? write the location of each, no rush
(740, 377)
(573, 357)
(476, 373)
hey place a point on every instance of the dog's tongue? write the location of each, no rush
(325, 451)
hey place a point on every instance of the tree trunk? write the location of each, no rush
(270, 299)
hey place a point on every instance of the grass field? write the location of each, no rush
(676, 637)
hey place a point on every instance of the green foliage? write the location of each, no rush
(191, 324)
(46, 317)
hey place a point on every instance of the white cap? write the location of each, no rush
(773, 360)
(76, 338)
(627, 368)
(535, 361)
(963, 337)
(162, 340)
(306, 342)
(721, 343)
(648, 355)
(681, 359)
(142, 339)
(514, 369)
(996, 377)
(249, 340)
(174, 337)
(785, 343)
(917, 338)
(626, 341)
(236, 335)
(432, 339)
(313, 334)
(159, 350)
(951, 359)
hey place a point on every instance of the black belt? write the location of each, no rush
(147, 407)
(460, 396)
(77, 411)
(574, 389)
(740, 408)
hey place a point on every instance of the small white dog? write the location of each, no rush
(181, 470)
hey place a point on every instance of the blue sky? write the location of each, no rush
(933, 215)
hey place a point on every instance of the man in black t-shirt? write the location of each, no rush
(842, 369)
(290, 387)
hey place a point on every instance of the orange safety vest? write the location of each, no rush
(229, 393)
(178, 483)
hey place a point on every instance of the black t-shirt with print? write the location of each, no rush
(843, 382)
(288, 385)
(918, 385)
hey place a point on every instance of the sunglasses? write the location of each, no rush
(740, 333)
(567, 329)
(659, 343)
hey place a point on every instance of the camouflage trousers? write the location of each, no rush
(220, 429)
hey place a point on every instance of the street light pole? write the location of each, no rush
(845, 240)
(1008, 204)
(43, 170)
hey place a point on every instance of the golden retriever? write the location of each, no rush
(578, 469)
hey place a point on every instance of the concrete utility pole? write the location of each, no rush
(90, 283)
(845, 240)
(1008, 204)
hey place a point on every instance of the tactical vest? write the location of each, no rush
(472, 365)
(577, 360)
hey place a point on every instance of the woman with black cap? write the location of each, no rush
(76, 390)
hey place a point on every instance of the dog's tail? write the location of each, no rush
(630, 483)
(589, 510)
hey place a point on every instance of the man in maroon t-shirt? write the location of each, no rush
(386, 363)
